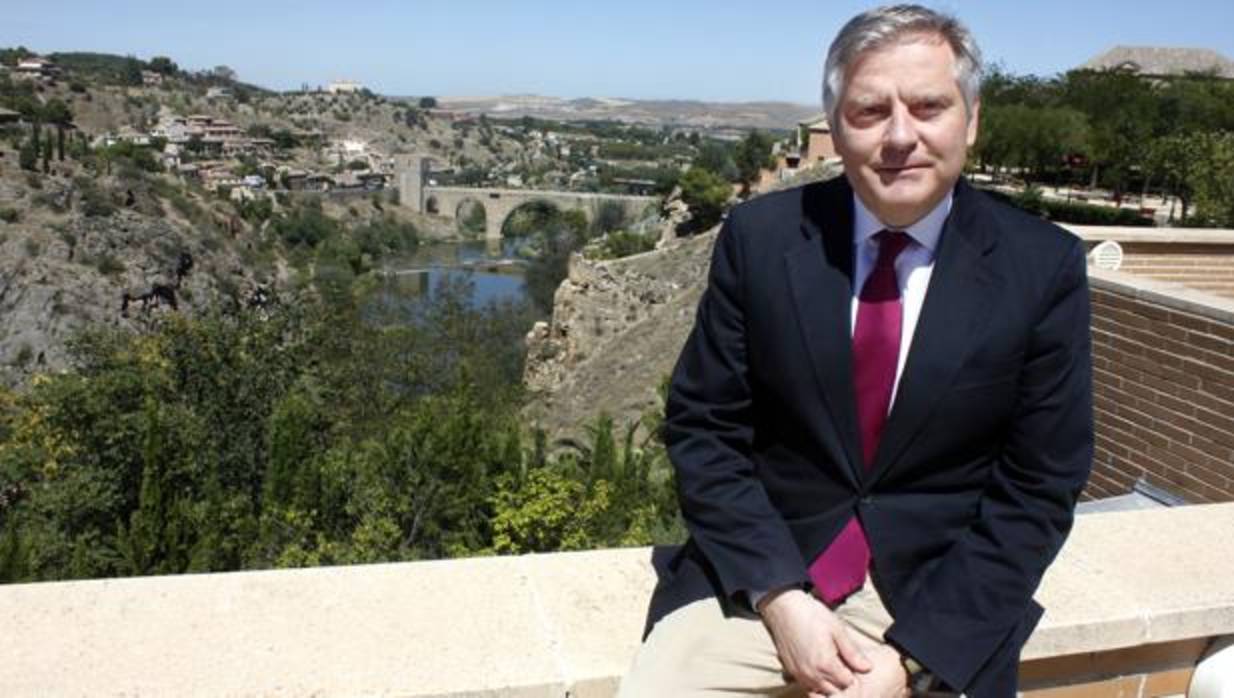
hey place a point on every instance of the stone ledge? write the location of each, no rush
(1166, 293)
(1189, 236)
(536, 626)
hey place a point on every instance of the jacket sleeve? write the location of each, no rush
(709, 433)
(976, 595)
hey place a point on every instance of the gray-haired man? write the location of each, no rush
(882, 418)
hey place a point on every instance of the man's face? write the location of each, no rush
(903, 131)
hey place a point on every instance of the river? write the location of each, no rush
(493, 269)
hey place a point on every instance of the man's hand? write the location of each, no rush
(813, 644)
(886, 678)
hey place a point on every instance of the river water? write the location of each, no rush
(492, 268)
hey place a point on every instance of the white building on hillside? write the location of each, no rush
(343, 87)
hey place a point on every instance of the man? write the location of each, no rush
(882, 418)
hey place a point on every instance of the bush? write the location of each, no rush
(109, 265)
(387, 235)
(9, 215)
(1076, 213)
(24, 355)
(95, 203)
(621, 243)
(305, 226)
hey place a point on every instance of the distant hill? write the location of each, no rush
(681, 113)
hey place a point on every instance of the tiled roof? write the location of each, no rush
(1158, 60)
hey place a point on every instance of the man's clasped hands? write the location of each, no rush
(824, 656)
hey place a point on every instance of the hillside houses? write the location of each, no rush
(211, 135)
(36, 68)
(221, 155)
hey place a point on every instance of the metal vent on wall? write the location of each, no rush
(1107, 255)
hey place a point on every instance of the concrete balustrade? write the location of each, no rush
(1134, 601)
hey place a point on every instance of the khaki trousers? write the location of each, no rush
(695, 652)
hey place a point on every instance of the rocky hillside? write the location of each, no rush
(102, 215)
(62, 270)
(617, 328)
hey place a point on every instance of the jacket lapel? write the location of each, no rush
(820, 274)
(957, 303)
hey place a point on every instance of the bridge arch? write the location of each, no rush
(534, 215)
(471, 216)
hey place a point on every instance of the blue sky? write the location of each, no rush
(683, 49)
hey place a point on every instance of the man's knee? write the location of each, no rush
(695, 652)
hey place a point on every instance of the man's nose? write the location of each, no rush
(901, 133)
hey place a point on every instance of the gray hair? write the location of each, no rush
(885, 26)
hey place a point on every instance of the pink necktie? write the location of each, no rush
(841, 568)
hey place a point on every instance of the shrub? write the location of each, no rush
(96, 203)
(9, 215)
(109, 265)
(24, 355)
(305, 226)
(621, 243)
(1077, 213)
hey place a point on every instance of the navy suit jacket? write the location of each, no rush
(983, 456)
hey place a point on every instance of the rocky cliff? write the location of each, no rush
(62, 271)
(618, 326)
(616, 330)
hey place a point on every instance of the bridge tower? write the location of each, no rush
(412, 173)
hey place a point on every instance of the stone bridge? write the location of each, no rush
(498, 204)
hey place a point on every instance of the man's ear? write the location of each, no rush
(973, 117)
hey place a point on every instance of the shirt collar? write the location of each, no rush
(924, 232)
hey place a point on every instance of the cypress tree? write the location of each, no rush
(28, 158)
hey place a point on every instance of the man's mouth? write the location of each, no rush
(896, 169)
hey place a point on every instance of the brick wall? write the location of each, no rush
(1163, 363)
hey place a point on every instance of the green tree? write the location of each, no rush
(132, 72)
(28, 156)
(1036, 140)
(753, 156)
(428, 102)
(718, 157)
(1124, 114)
(164, 65)
(610, 216)
(1179, 161)
(706, 194)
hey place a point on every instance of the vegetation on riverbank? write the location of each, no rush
(309, 432)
